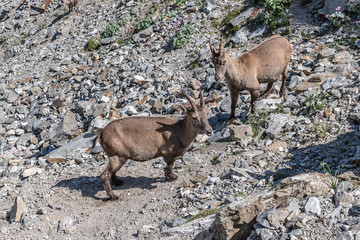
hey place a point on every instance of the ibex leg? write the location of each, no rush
(169, 175)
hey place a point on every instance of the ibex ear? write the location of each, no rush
(202, 101)
(183, 108)
(228, 50)
(212, 48)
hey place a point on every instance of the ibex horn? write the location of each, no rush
(202, 101)
(191, 101)
(221, 48)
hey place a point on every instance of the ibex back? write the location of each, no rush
(262, 64)
(144, 138)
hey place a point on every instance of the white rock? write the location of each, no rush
(313, 206)
(30, 172)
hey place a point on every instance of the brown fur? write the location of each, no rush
(144, 138)
(71, 4)
(262, 64)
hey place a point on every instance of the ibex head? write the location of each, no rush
(219, 59)
(198, 115)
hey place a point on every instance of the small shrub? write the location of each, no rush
(112, 29)
(316, 102)
(3, 39)
(320, 130)
(143, 24)
(273, 14)
(229, 28)
(353, 7)
(257, 120)
(194, 64)
(182, 37)
(179, 2)
(92, 44)
(338, 18)
(333, 179)
(205, 213)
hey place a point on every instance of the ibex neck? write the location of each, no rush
(189, 132)
(231, 70)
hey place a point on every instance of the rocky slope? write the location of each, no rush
(64, 76)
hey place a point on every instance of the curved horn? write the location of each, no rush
(202, 101)
(221, 48)
(191, 101)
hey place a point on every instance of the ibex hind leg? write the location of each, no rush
(267, 91)
(254, 96)
(284, 75)
(114, 165)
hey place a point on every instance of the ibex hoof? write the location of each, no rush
(114, 197)
(230, 121)
(171, 177)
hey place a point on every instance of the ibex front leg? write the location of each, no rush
(169, 175)
(234, 94)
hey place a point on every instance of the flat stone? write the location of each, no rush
(239, 132)
(277, 147)
(30, 172)
(278, 217)
(17, 210)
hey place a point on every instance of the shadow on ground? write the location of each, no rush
(343, 153)
(90, 186)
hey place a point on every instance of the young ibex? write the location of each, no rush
(143, 138)
(262, 64)
(71, 4)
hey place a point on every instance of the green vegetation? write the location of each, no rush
(92, 44)
(338, 18)
(205, 213)
(273, 14)
(3, 39)
(182, 37)
(143, 24)
(194, 64)
(258, 119)
(42, 25)
(320, 129)
(112, 29)
(316, 102)
(353, 8)
(333, 179)
(239, 194)
(229, 28)
(179, 2)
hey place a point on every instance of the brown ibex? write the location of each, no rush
(143, 138)
(71, 4)
(262, 64)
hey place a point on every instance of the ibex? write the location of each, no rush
(262, 64)
(71, 4)
(143, 138)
